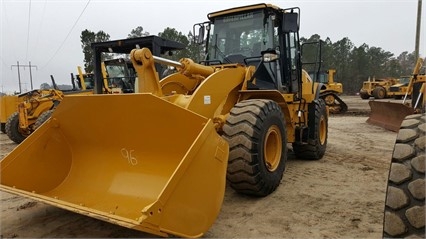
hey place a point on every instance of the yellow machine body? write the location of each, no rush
(331, 91)
(8, 105)
(155, 160)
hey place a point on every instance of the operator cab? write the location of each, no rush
(120, 74)
(260, 35)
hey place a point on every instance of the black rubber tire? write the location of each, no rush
(3, 127)
(13, 130)
(256, 133)
(315, 148)
(379, 93)
(364, 96)
(42, 118)
(404, 214)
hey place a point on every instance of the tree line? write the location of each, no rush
(354, 64)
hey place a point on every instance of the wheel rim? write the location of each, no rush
(322, 131)
(329, 100)
(272, 148)
(382, 93)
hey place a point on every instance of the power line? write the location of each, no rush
(41, 24)
(7, 23)
(66, 38)
(19, 73)
(28, 29)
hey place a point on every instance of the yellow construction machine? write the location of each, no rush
(158, 160)
(8, 106)
(33, 109)
(377, 88)
(400, 89)
(118, 75)
(84, 81)
(331, 91)
(390, 115)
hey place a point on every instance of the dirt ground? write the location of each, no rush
(339, 196)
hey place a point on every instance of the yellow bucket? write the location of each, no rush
(135, 160)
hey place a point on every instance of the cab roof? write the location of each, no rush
(213, 15)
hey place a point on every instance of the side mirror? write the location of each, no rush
(290, 22)
(200, 28)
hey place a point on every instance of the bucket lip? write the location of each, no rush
(162, 98)
(81, 209)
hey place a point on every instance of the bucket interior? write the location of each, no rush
(112, 153)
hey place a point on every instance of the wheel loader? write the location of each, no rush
(158, 160)
(390, 115)
(117, 75)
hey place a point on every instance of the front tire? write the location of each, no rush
(364, 95)
(12, 129)
(256, 133)
(318, 133)
(405, 195)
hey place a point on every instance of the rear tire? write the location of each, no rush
(13, 130)
(256, 133)
(318, 133)
(379, 92)
(405, 195)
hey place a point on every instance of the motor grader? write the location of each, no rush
(33, 109)
(160, 160)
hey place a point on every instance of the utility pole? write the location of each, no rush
(419, 17)
(19, 73)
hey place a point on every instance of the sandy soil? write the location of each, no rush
(341, 195)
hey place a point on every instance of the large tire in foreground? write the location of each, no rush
(318, 133)
(13, 130)
(405, 196)
(42, 118)
(256, 133)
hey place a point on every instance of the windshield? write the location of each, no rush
(238, 36)
(404, 80)
(115, 71)
(120, 74)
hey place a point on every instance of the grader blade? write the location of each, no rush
(134, 160)
(388, 115)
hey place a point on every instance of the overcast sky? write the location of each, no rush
(47, 32)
